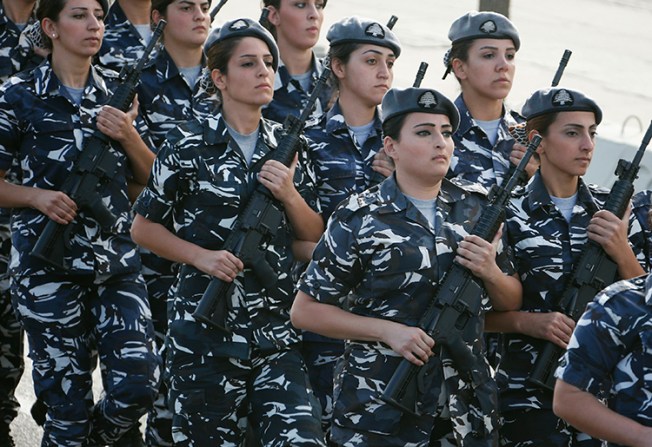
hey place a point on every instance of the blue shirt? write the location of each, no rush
(44, 131)
(611, 349)
(475, 159)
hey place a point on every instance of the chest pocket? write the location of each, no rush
(54, 140)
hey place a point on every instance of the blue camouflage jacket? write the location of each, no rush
(290, 98)
(166, 100)
(122, 44)
(342, 167)
(44, 131)
(475, 159)
(13, 57)
(380, 257)
(545, 249)
(198, 187)
(611, 349)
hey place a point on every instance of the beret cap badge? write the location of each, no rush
(488, 27)
(563, 98)
(375, 30)
(238, 24)
(427, 100)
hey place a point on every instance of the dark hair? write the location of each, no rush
(50, 9)
(392, 127)
(161, 6)
(341, 52)
(459, 50)
(541, 123)
(219, 54)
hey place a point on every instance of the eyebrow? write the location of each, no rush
(431, 125)
(255, 55)
(371, 50)
(491, 47)
(580, 126)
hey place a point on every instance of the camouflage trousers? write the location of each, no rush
(213, 397)
(72, 320)
(158, 432)
(540, 428)
(11, 359)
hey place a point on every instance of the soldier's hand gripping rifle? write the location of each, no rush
(96, 165)
(594, 270)
(258, 223)
(456, 302)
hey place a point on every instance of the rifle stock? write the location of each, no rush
(96, 165)
(594, 270)
(457, 301)
(258, 224)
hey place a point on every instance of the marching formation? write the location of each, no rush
(260, 247)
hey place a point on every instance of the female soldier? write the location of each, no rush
(98, 304)
(482, 58)
(548, 224)
(611, 347)
(374, 273)
(172, 90)
(347, 141)
(200, 182)
(296, 24)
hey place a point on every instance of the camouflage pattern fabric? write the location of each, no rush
(122, 45)
(380, 257)
(342, 166)
(197, 188)
(69, 321)
(545, 248)
(290, 98)
(13, 57)
(475, 159)
(611, 349)
(166, 101)
(642, 240)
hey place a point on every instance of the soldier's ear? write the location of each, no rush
(531, 135)
(273, 16)
(218, 79)
(338, 68)
(49, 27)
(459, 68)
(389, 145)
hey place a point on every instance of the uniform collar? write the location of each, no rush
(467, 122)
(283, 76)
(393, 200)
(47, 83)
(216, 131)
(117, 19)
(538, 196)
(5, 21)
(335, 120)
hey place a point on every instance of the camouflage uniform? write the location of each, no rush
(13, 59)
(642, 240)
(197, 188)
(166, 100)
(100, 302)
(122, 45)
(290, 98)
(475, 159)
(545, 248)
(611, 348)
(381, 258)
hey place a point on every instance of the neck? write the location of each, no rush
(559, 184)
(296, 60)
(71, 73)
(482, 108)
(413, 187)
(136, 11)
(355, 112)
(19, 11)
(184, 56)
(243, 118)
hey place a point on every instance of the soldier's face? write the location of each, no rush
(188, 22)
(489, 69)
(298, 22)
(567, 148)
(79, 29)
(367, 75)
(424, 150)
(250, 75)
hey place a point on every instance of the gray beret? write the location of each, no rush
(358, 30)
(553, 100)
(401, 101)
(483, 25)
(242, 28)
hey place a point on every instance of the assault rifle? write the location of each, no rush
(97, 165)
(457, 301)
(258, 223)
(594, 270)
(217, 8)
(421, 72)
